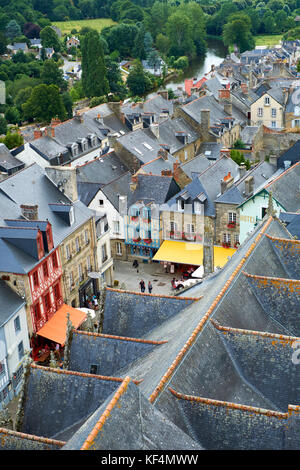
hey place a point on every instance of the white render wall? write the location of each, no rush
(13, 339)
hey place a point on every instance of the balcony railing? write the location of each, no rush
(188, 236)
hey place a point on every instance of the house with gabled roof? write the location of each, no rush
(282, 190)
(199, 383)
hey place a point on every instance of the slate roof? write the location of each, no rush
(292, 155)
(118, 187)
(192, 190)
(158, 164)
(8, 163)
(152, 431)
(109, 119)
(141, 144)
(135, 315)
(211, 177)
(10, 303)
(101, 170)
(32, 186)
(292, 224)
(285, 188)
(196, 165)
(224, 369)
(156, 104)
(217, 112)
(87, 192)
(153, 188)
(170, 130)
(110, 354)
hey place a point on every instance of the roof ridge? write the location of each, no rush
(122, 338)
(81, 374)
(282, 174)
(121, 390)
(291, 240)
(263, 334)
(283, 279)
(236, 406)
(95, 159)
(206, 316)
(154, 295)
(32, 437)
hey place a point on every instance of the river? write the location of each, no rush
(216, 52)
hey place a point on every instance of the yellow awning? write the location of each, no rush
(190, 253)
(56, 328)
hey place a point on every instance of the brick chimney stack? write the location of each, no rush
(30, 211)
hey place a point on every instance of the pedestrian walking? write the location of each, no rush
(150, 287)
(142, 285)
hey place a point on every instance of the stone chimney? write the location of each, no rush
(225, 99)
(116, 107)
(79, 117)
(273, 160)
(37, 134)
(249, 186)
(154, 127)
(176, 170)
(208, 250)
(55, 122)
(226, 182)
(164, 94)
(244, 88)
(162, 153)
(166, 173)
(65, 179)
(242, 170)
(50, 131)
(224, 94)
(30, 211)
(134, 182)
(205, 121)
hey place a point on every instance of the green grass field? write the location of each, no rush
(267, 39)
(98, 24)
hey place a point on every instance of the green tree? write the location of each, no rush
(138, 50)
(68, 104)
(181, 63)
(238, 31)
(3, 125)
(13, 30)
(138, 81)
(162, 43)
(94, 80)
(12, 140)
(179, 32)
(12, 115)
(51, 74)
(44, 103)
(49, 38)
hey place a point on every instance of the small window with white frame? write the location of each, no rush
(180, 204)
(273, 112)
(260, 112)
(273, 124)
(116, 225)
(267, 101)
(197, 207)
(119, 248)
(232, 217)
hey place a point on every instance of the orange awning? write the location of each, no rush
(56, 328)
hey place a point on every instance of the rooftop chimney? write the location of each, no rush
(134, 182)
(30, 211)
(162, 153)
(205, 120)
(226, 182)
(244, 88)
(242, 169)
(164, 94)
(166, 173)
(249, 186)
(224, 94)
(37, 133)
(154, 127)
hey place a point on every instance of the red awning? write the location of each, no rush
(56, 328)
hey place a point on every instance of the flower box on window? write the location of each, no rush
(226, 245)
(136, 240)
(148, 240)
(134, 218)
(231, 224)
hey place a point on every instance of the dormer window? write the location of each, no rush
(72, 218)
(180, 204)
(197, 207)
(75, 149)
(267, 101)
